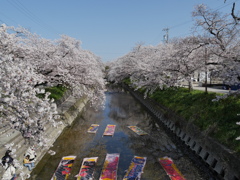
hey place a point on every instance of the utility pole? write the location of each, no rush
(206, 69)
(165, 37)
(205, 62)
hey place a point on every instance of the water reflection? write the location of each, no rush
(122, 110)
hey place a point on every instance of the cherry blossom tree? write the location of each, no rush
(165, 65)
(8, 41)
(64, 62)
(27, 61)
(19, 105)
(20, 108)
(187, 58)
(223, 33)
(121, 68)
(79, 69)
(145, 66)
(150, 71)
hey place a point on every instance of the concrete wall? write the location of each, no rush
(221, 160)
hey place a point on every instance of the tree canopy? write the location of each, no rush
(30, 63)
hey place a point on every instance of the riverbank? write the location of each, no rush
(69, 109)
(215, 118)
(223, 162)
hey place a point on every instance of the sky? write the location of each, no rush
(108, 28)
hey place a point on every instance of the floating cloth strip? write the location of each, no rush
(110, 166)
(87, 168)
(64, 168)
(109, 131)
(137, 130)
(93, 128)
(171, 169)
(136, 168)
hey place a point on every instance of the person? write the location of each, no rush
(32, 154)
(10, 172)
(28, 163)
(7, 158)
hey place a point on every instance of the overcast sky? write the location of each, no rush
(108, 28)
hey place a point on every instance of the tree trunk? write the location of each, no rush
(190, 87)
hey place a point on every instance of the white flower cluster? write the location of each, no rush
(19, 105)
(27, 64)
(64, 62)
(165, 65)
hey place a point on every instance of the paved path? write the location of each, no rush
(216, 89)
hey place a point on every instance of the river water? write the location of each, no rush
(122, 110)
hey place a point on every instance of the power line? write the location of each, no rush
(216, 9)
(223, 6)
(186, 22)
(8, 18)
(183, 23)
(26, 12)
(23, 11)
(38, 19)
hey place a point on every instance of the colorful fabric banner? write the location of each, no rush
(137, 130)
(87, 169)
(93, 128)
(171, 169)
(64, 168)
(110, 166)
(109, 131)
(136, 168)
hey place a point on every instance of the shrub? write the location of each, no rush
(57, 92)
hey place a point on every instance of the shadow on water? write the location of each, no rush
(121, 110)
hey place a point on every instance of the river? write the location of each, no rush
(122, 110)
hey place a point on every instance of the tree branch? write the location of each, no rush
(236, 19)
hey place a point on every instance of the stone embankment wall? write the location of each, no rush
(70, 108)
(222, 161)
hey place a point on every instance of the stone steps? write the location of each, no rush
(19, 144)
(22, 146)
(53, 132)
(4, 127)
(8, 135)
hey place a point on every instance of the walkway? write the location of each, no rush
(216, 89)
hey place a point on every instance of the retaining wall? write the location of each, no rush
(221, 160)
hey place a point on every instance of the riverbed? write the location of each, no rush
(122, 110)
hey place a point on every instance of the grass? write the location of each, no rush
(217, 118)
(127, 81)
(57, 92)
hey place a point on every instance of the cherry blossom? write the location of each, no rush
(28, 64)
